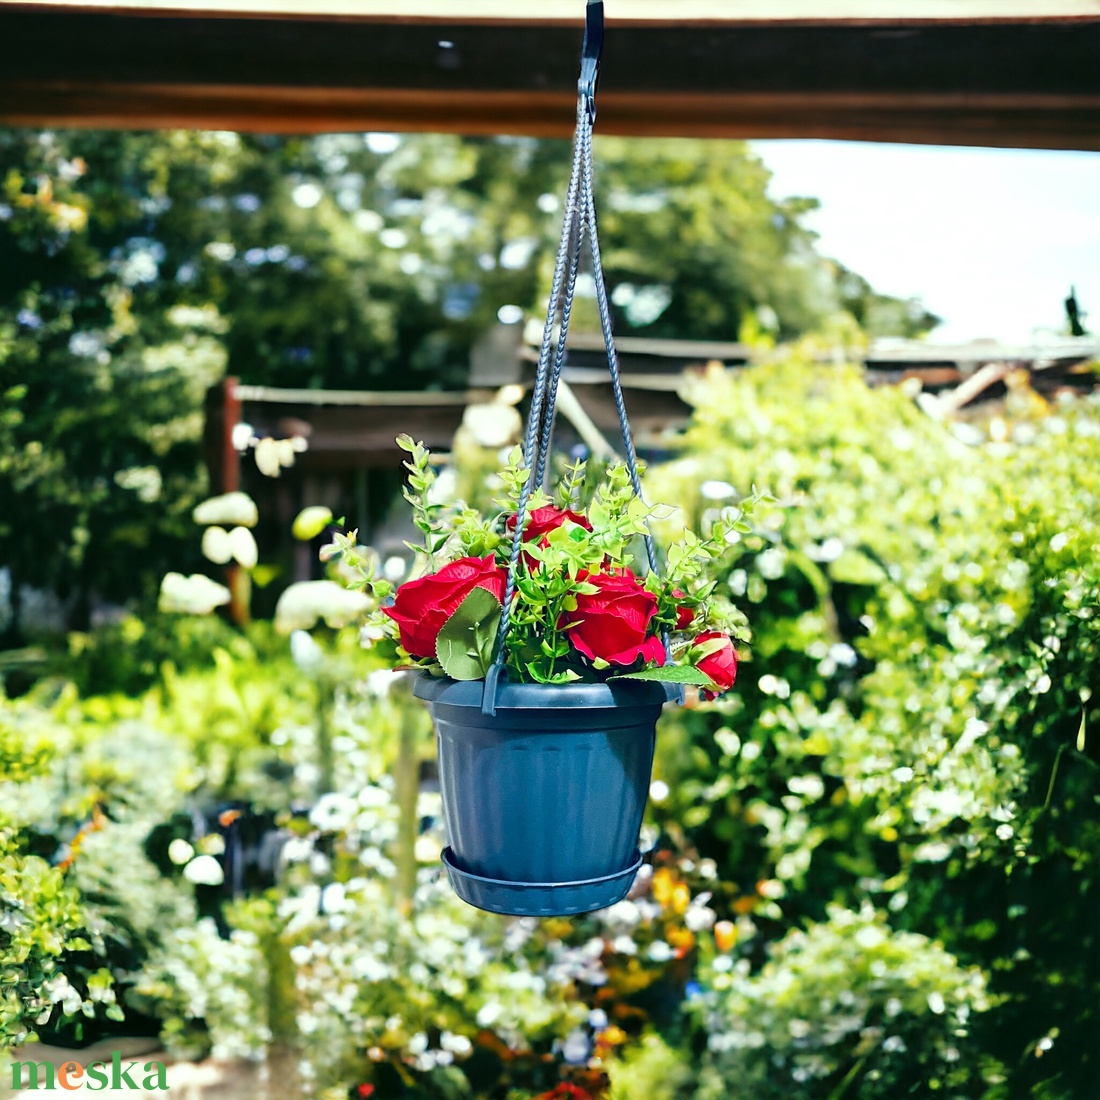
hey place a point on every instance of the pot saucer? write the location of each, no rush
(540, 899)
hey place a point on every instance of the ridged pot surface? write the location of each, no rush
(551, 789)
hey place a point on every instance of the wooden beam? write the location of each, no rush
(619, 12)
(1017, 82)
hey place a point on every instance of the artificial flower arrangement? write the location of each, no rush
(581, 611)
(546, 715)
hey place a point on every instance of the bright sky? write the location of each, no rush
(989, 239)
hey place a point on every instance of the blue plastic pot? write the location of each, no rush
(543, 801)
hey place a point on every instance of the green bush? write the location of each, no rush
(51, 966)
(876, 863)
(846, 1004)
(912, 730)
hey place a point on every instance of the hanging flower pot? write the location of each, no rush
(546, 661)
(543, 801)
(544, 647)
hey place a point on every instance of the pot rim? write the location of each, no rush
(509, 696)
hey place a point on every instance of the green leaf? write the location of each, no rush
(670, 674)
(465, 644)
(310, 522)
(699, 650)
(566, 676)
(535, 672)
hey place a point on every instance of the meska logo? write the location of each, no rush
(70, 1075)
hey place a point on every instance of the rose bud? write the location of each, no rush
(720, 663)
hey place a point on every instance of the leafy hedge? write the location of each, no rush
(914, 730)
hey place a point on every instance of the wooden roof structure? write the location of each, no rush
(350, 429)
(1020, 73)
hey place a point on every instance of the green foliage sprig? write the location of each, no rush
(559, 568)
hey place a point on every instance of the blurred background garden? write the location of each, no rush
(872, 870)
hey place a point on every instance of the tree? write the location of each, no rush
(136, 268)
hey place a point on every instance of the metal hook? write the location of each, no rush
(591, 50)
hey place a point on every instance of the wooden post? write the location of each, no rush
(223, 413)
(223, 464)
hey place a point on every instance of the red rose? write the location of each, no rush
(364, 1091)
(541, 522)
(421, 607)
(685, 615)
(613, 622)
(565, 1091)
(720, 665)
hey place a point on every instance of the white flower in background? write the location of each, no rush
(305, 652)
(61, 992)
(492, 425)
(444, 488)
(301, 909)
(516, 254)
(297, 849)
(306, 195)
(204, 871)
(333, 812)
(576, 1047)
(372, 796)
(368, 221)
(303, 604)
(699, 916)
(622, 912)
(642, 304)
(243, 547)
(371, 969)
(381, 680)
(716, 490)
(456, 1044)
(333, 898)
(427, 849)
(143, 480)
(228, 510)
(394, 238)
(215, 545)
(86, 344)
(659, 951)
(180, 852)
(141, 263)
(241, 436)
(272, 455)
(193, 595)
(394, 568)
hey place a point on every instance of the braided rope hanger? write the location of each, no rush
(578, 222)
